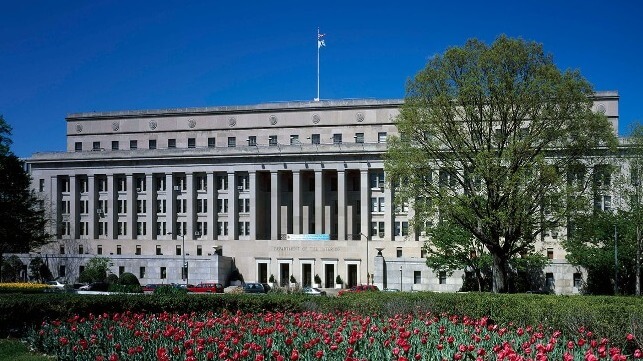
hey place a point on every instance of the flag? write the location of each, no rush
(320, 40)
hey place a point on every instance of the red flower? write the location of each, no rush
(630, 337)
(113, 357)
(638, 353)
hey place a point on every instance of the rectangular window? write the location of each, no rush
(417, 277)
(337, 139)
(578, 280)
(141, 206)
(161, 228)
(62, 271)
(201, 205)
(272, 140)
(121, 270)
(102, 184)
(377, 179)
(141, 272)
(222, 205)
(222, 228)
(163, 273)
(122, 206)
(398, 252)
(158, 250)
(141, 228)
(160, 184)
(84, 228)
(201, 229)
(41, 185)
(232, 142)
(199, 250)
(359, 137)
(140, 184)
(222, 183)
(151, 144)
(96, 146)
(294, 139)
(160, 206)
(549, 281)
(114, 144)
(550, 253)
(252, 140)
(191, 142)
(442, 276)
(212, 142)
(315, 139)
(122, 228)
(78, 146)
(138, 250)
(81, 249)
(119, 249)
(178, 250)
(133, 144)
(243, 205)
(171, 143)
(381, 137)
(201, 183)
(62, 249)
(99, 249)
(121, 184)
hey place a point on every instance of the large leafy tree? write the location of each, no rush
(486, 135)
(22, 217)
(634, 194)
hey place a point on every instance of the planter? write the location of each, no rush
(316, 285)
(338, 285)
(293, 285)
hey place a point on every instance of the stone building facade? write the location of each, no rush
(272, 189)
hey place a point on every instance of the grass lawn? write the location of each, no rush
(18, 351)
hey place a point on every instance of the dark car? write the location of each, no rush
(255, 288)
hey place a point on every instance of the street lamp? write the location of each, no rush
(400, 278)
(184, 266)
(367, 269)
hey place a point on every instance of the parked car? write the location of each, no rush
(149, 288)
(206, 288)
(255, 288)
(359, 288)
(56, 284)
(391, 290)
(313, 291)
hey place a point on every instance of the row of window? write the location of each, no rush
(243, 183)
(232, 141)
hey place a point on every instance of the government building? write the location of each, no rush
(243, 193)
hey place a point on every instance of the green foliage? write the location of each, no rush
(272, 278)
(12, 269)
(128, 279)
(39, 271)
(318, 279)
(170, 290)
(18, 351)
(95, 270)
(293, 279)
(338, 280)
(476, 130)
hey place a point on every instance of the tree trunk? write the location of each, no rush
(638, 261)
(479, 279)
(499, 274)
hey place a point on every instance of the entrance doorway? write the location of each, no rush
(306, 274)
(329, 275)
(352, 275)
(284, 274)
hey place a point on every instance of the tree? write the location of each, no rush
(22, 218)
(635, 192)
(453, 248)
(486, 134)
(95, 270)
(39, 270)
(12, 269)
(592, 246)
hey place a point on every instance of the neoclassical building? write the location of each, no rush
(293, 188)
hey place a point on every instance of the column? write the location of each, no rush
(73, 207)
(54, 195)
(111, 207)
(170, 211)
(150, 197)
(212, 212)
(364, 195)
(296, 202)
(191, 211)
(389, 213)
(252, 176)
(275, 210)
(93, 196)
(131, 205)
(341, 205)
(319, 202)
(233, 229)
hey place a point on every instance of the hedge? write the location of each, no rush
(611, 317)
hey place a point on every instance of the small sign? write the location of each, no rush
(308, 237)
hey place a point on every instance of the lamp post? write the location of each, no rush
(400, 278)
(184, 268)
(367, 269)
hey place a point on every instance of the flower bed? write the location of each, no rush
(23, 287)
(309, 336)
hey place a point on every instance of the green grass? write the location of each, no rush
(17, 351)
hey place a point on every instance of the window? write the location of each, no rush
(122, 228)
(122, 206)
(417, 277)
(294, 139)
(78, 146)
(151, 144)
(359, 137)
(191, 142)
(222, 182)
(549, 281)
(160, 206)
(201, 229)
(377, 229)
(243, 205)
(64, 185)
(378, 205)
(377, 179)
(398, 252)
(81, 249)
(133, 144)
(138, 250)
(381, 137)
(141, 228)
(163, 273)
(62, 271)
(550, 253)
(243, 228)
(272, 140)
(102, 184)
(423, 253)
(84, 206)
(212, 142)
(401, 228)
(84, 228)
(603, 202)
(243, 182)
(140, 184)
(119, 249)
(161, 228)
(121, 270)
(158, 250)
(121, 184)
(160, 184)
(337, 139)
(99, 249)
(141, 272)
(171, 143)
(315, 139)
(199, 250)
(62, 249)
(578, 280)
(114, 144)
(222, 228)
(201, 205)
(41, 185)
(181, 205)
(141, 206)
(181, 183)
(102, 228)
(232, 142)
(201, 183)
(181, 228)
(252, 140)
(65, 229)
(442, 276)
(96, 146)
(178, 250)
(222, 205)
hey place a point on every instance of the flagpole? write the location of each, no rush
(317, 99)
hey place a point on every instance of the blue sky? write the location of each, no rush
(61, 57)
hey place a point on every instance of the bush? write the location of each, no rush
(170, 290)
(318, 280)
(339, 280)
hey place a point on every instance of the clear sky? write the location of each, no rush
(61, 57)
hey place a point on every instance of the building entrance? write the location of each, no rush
(307, 275)
(352, 275)
(284, 274)
(329, 276)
